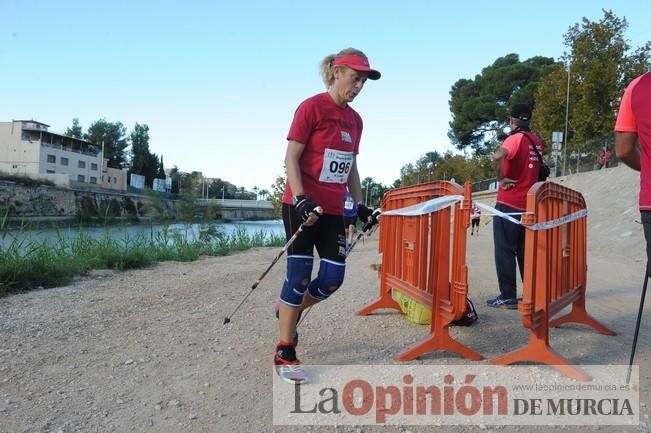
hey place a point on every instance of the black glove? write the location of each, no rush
(305, 206)
(377, 213)
(363, 213)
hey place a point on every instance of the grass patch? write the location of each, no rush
(27, 263)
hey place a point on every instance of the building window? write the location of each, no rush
(109, 179)
(51, 159)
(64, 160)
(115, 180)
(93, 180)
(50, 171)
(93, 166)
(81, 178)
(82, 164)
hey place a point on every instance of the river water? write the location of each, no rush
(135, 230)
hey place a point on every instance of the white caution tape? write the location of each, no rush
(426, 207)
(560, 221)
(546, 225)
(434, 205)
(495, 212)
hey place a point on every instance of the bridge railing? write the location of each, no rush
(240, 204)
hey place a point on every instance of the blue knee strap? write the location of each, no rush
(299, 272)
(330, 277)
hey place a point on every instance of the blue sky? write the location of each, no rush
(218, 81)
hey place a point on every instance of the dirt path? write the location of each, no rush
(145, 350)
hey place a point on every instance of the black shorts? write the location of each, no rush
(327, 235)
(349, 221)
(475, 222)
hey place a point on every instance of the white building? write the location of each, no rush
(28, 148)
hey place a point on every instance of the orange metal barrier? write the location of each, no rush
(425, 258)
(555, 275)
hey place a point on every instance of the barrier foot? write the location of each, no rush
(435, 342)
(537, 351)
(579, 315)
(383, 302)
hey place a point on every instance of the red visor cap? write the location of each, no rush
(357, 63)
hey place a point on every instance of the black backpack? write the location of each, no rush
(544, 168)
(469, 316)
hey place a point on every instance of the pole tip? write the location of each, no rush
(226, 320)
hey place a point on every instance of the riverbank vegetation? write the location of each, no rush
(27, 263)
(188, 232)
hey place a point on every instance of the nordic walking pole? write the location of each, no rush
(637, 325)
(291, 240)
(348, 250)
(359, 236)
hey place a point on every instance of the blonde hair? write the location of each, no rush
(326, 65)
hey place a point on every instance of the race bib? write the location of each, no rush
(336, 166)
(349, 204)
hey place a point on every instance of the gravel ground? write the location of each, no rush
(146, 351)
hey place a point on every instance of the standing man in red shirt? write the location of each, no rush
(633, 147)
(518, 168)
(633, 143)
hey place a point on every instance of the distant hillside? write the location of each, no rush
(612, 198)
(613, 216)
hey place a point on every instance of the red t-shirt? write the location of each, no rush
(635, 116)
(522, 165)
(331, 136)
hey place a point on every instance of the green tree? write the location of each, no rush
(243, 194)
(216, 188)
(175, 174)
(153, 167)
(551, 96)
(454, 167)
(372, 191)
(230, 190)
(75, 130)
(366, 184)
(601, 64)
(637, 63)
(597, 56)
(161, 169)
(143, 162)
(480, 106)
(377, 192)
(433, 167)
(278, 189)
(408, 175)
(188, 203)
(113, 137)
